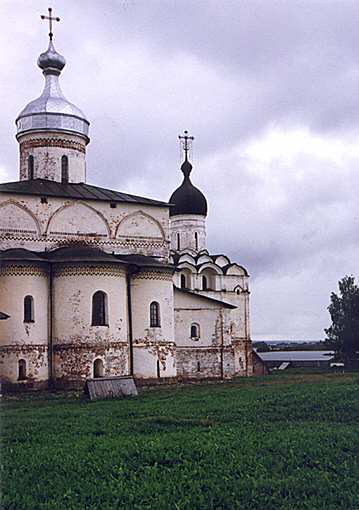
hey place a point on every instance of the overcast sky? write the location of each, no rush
(268, 88)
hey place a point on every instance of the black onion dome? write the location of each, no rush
(187, 199)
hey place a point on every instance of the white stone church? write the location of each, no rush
(95, 282)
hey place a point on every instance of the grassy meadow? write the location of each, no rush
(277, 442)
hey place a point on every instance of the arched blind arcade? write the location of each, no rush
(99, 309)
(155, 320)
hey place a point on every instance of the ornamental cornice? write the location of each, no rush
(23, 348)
(88, 270)
(53, 142)
(87, 346)
(22, 270)
(153, 275)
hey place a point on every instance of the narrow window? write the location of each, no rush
(99, 309)
(198, 366)
(158, 369)
(21, 370)
(178, 242)
(64, 169)
(195, 331)
(98, 369)
(28, 309)
(183, 281)
(30, 167)
(155, 315)
(204, 283)
(196, 240)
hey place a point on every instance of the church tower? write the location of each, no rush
(189, 209)
(52, 132)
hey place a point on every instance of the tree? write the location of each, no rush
(343, 334)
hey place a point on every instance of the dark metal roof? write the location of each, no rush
(144, 261)
(20, 254)
(4, 316)
(196, 294)
(81, 254)
(44, 187)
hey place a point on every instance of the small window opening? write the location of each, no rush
(178, 242)
(99, 309)
(21, 370)
(28, 309)
(44, 200)
(204, 283)
(196, 240)
(198, 366)
(155, 315)
(113, 205)
(30, 167)
(158, 369)
(195, 331)
(98, 368)
(183, 281)
(64, 169)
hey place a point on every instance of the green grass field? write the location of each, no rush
(281, 442)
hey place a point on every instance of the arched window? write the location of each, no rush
(28, 309)
(196, 240)
(64, 169)
(30, 167)
(195, 334)
(198, 366)
(155, 321)
(99, 309)
(183, 281)
(21, 370)
(204, 283)
(98, 369)
(178, 241)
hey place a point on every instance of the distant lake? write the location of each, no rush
(296, 355)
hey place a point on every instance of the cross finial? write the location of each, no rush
(186, 142)
(51, 19)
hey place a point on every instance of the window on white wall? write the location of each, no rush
(21, 370)
(195, 331)
(30, 167)
(64, 169)
(155, 320)
(178, 238)
(204, 283)
(29, 309)
(99, 309)
(183, 281)
(98, 368)
(196, 240)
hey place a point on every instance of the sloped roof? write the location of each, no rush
(207, 298)
(44, 187)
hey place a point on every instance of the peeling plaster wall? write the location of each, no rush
(20, 340)
(47, 150)
(218, 344)
(127, 228)
(186, 225)
(76, 342)
(153, 344)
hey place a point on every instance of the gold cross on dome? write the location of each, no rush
(186, 142)
(51, 19)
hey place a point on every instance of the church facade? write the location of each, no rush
(95, 282)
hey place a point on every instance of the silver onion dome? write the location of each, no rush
(52, 111)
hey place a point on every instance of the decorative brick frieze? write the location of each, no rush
(88, 270)
(153, 275)
(22, 270)
(53, 142)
